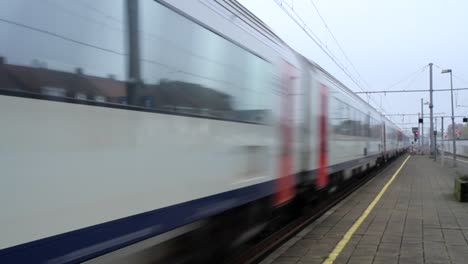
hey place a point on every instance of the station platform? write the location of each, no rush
(416, 220)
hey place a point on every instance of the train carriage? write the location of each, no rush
(134, 123)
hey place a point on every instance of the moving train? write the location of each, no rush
(128, 125)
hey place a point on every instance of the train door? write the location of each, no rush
(285, 184)
(384, 140)
(308, 127)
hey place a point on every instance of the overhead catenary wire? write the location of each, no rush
(342, 66)
(456, 77)
(408, 76)
(32, 28)
(337, 43)
(410, 79)
(98, 11)
(319, 42)
(411, 91)
(86, 17)
(380, 108)
(340, 47)
(414, 76)
(301, 24)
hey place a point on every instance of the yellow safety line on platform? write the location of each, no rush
(340, 246)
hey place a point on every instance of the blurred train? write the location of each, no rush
(127, 125)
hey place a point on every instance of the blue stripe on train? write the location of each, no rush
(93, 241)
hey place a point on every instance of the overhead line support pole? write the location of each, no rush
(431, 106)
(422, 127)
(453, 125)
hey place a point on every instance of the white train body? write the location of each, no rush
(87, 171)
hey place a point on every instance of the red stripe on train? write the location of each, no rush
(322, 176)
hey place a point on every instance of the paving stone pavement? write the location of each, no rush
(417, 220)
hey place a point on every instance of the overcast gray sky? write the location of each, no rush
(386, 41)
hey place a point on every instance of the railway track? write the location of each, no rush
(258, 250)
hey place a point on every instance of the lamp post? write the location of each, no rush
(431, 115)
(453, 118)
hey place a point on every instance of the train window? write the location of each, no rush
(373, 128)
(378, 129)
(355, 121)
(336, 116)
(343, 116)
(189, 69)
(361, 123)
(367, 125)
(73, 49)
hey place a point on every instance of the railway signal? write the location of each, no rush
(415, 133)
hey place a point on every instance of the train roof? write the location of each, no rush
(265, 31)
(237, 9)
(345, 88)
(245, 19)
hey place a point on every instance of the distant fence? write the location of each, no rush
(462, 147)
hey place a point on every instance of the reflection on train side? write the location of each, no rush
(182, 66)
(169, 96)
